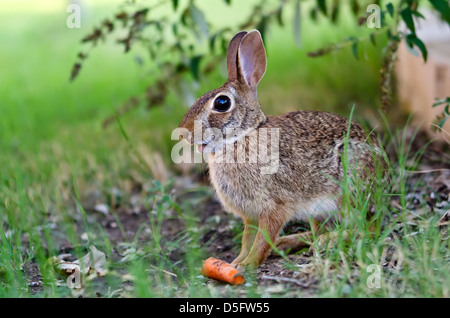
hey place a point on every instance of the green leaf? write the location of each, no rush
(184, 17)
(412, 39)
(418, 14)
(322, 4)
(279, 16)
(335, 11)
(441, 101)
(175, 29)
(408, 19)
(443, 7)
(392, 37)
(421, 47)
(262, 27)
(442, 122)
(224, 45)
(313, 14)
(355, 49)
(175, 4)
(228, 2)
(212, 40)
(195, 66)
(355, 7)
(390, 9)
(383, 19)
(297, 24)
(410, 46)
(372, 39)
(199, 19)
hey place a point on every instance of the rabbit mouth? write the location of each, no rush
(201, 148)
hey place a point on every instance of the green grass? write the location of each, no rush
(409, 265)
(57, 162)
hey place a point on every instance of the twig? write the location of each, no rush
(286, 279)
(442, 130)
(428, 171)
(164, 271)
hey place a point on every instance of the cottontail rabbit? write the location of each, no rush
(305, 154)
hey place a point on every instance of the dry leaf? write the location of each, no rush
(63, 267)
(102, 208)
(95, 260)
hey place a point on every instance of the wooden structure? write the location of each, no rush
(420, 83)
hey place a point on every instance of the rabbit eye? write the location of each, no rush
(222, 103)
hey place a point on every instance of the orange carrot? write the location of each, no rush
(220, 270)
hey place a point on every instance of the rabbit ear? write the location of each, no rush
(252, 58)
(232, 55)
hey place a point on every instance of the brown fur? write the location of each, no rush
(310, 148)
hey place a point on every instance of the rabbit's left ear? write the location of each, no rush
(232, 56)
(252, 58)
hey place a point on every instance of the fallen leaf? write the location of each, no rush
(102, 208)
(92, 263)
(63, 267)
(95, 260)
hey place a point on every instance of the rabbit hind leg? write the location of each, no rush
(298, 241)
(295, 242)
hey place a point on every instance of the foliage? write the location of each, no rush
(184, 45)
(443, 118)
(391, 14)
